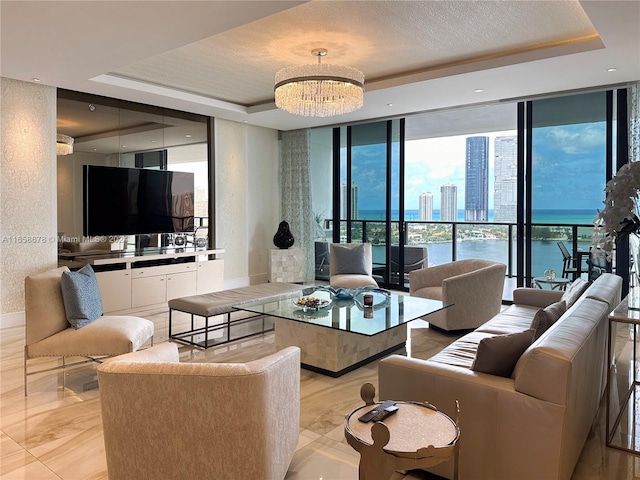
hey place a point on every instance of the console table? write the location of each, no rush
(140, 278)
(623, 386)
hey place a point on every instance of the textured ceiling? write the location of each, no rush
(384, 39)
(218, 58)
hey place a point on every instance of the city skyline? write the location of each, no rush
(432, 162)
(354, 200)
(425, 209)
(506, 179)
(476, 179)
(448, 202)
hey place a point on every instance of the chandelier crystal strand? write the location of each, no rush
(64, 144)
(319, 90)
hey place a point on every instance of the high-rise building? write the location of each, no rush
(476, 208)
(425, 207)
(448, 202)
(354, 201)
(505, 196)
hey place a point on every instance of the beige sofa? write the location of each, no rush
(534, 424)
(164, 419)
(473, 288)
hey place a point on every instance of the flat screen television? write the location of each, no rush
(133, 201)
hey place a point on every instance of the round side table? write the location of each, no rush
(558, 282)
(416, 436)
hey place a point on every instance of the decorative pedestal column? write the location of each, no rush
(287, 265)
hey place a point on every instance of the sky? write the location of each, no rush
(430, 163)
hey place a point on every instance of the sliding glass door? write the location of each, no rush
(509, 182)
(461, 185)
(566, 174)
(368, 194)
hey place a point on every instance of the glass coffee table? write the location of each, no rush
(344, 334)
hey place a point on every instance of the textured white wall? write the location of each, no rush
(247, 199)
(28, 230)
(263, 214)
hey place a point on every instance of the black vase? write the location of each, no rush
(283, 237)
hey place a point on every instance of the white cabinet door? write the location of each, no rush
(181, 285)
(115, 289)
(210, 276)
(149, 290)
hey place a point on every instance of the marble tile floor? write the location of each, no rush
(56, 432)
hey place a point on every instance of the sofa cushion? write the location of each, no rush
(462, 352)
(546, 317)
(498, 355)
(106, 335)
(577, 288)
(81, 296)
(350, 260)
(514, 319)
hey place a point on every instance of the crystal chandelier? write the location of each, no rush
(319, 90)
(64, 144)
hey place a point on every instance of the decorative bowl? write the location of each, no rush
(310, 304)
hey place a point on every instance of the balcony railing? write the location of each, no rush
(449, 241)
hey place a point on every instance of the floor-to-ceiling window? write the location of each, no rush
(367, 157)
(505, 182)
(460, 183)
(568, 165)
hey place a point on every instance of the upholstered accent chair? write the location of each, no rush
(472, 287)
(415, 258)
(172, 420)
(49, 333)
(351, 265)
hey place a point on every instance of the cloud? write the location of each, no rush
(574, 139)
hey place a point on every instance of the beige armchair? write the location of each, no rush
(473, 287)
(351, 270)
(223, 421)
(49, 334)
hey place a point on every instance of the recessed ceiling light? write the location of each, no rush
(389, 104)
(611, 69)
(188, 135)
(479, 90)
(36, 79)
(246, 121)
(153, 141)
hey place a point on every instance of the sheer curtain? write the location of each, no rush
(295, 196)
(633, 110)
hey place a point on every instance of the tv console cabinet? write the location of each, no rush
(134, 280)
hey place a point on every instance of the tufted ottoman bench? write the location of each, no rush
(223, 303)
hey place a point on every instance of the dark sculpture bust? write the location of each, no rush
(283, 237)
